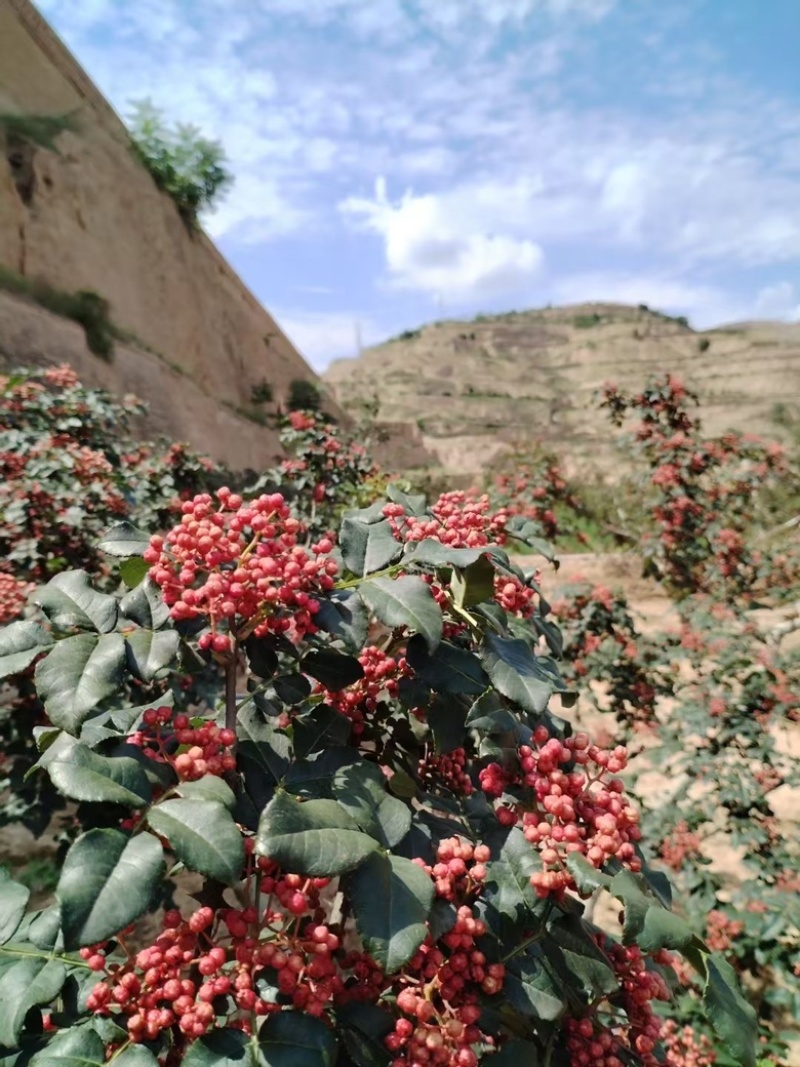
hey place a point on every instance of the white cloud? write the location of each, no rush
(431, 246)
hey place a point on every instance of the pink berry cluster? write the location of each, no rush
(460, 868)
(439, 998)
(448, 769)
(592, 1042)
(722, 931)
(204, 749)
(684, 1047)
(680, 845)
(360, 700)
(463, 520)
(13, 596)
(569, 810)
(240, 565)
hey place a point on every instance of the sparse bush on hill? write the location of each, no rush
(304, 395)
(348, 736)
(186, 165)
(39, 130)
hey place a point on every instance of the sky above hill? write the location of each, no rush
(398, 161)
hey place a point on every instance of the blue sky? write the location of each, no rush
(398, 161)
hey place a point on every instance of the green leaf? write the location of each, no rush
(446, 717)
(202, 835)
(210, 787)
(149, 652)
(516, 672)
(731, 1016)
(79, 674)
(391, 898)
(490, 717)
(261, 657)
(318, 728)
(334, 670)
(295, 1039)
(569, 942)
(292, 688)
(343, 615)
(363, 1028)
(135, 1056)
(361, 789)
(263, 754)
(145, 605)
(587, 877)
(448, 669)
(433, 553)
(517, 1054)
(81, 774)
(133, 571)
(107, 881)
(313, 777)
(124, 540)
(405, 601)
(510, 898)
(76, 1047)
(20, 644)
(23, 985)
(13, 901)
(222, 1048)
(70, 602)
(474, 584)
(317, 837)
(531, 987)
(368, 547)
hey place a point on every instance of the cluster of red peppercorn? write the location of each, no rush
(593, 1043)
(464, 520)
(13, 596)
(359, 701)
(448, 769)
(442, 983)
(240, 565)
(202, 748)
(680, 845)
(578, 810)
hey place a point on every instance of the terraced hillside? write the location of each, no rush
(474, 387)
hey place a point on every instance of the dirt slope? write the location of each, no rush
(472, 387)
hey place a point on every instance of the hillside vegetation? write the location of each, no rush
(472, 387)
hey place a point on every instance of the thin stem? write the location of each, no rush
(230, 690)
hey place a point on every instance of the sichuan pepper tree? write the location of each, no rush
(395, 832)
(705, 495)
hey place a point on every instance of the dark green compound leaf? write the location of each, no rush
(124, 541)
(490, 717)
(81, 774)
(13, 901)
(222, 1048)
(333, 669)
(263, 753)
(23, 985)
(517, 672)
(587, 877)
(412, 503)
(79, 674)
(107, 881)
(474, 584)
(517, 1054)
(133, 571)
(532, 987)
(569, 945)
(202, 835)
(135, 1056)
(368, 547)
(318, 728)
(295, 1039)
(20, 644)
(313, 778)
(731, 1016)
(210, 787)
(432, 553)
(510, 898)
(446, 717)
(292, 688)
(344, 616)
(391, 898)
(317, 838)
(361, 789)
(405, 601)
(150, 651)
(363, 1028)
(145, 605)
(261, 657)
(71, 603)
(76, 1047)
(448, 669)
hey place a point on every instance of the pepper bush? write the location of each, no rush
(394, 831)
